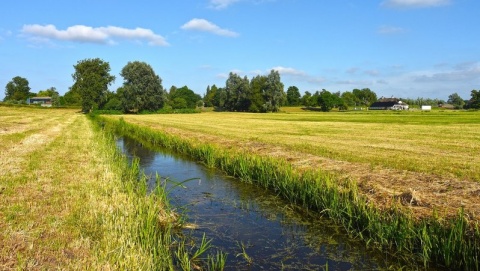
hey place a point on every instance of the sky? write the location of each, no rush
(400, 48)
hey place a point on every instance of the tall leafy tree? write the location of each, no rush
(274, 93)
(237, 90)
(92, 78)
(142, 88)
(475, 99)
(293, 96)
(256, 95)
(17, 90)
(455, 100)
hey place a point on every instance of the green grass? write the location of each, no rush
(452, 241)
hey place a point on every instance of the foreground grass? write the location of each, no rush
(251, 153)
(69, 200)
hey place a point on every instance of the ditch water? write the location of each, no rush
(239, 217)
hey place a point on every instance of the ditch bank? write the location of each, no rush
(452, 243)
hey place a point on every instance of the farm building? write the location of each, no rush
(43, 101)
(388, 104)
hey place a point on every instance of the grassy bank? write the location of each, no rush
(449, 240)
(69, 200)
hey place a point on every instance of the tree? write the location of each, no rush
(273, 92)
(256, 95)
(237, 90)
(475, 100)
(92, 78)
(293, 96)
(307, 99)
(142, 88)
(189, 98)
(455, 100)
(349, 98)
(17, 90)
(365, 96)
(327, 100)
(72, 98)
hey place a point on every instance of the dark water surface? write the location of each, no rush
(276, 235)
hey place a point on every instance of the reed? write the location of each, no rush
(453, 242)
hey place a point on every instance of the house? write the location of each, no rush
(43, 101)
(388, 104)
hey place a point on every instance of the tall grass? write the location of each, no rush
(145, 223)
(453, 242)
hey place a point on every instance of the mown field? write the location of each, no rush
(425, 160)
(70, 201)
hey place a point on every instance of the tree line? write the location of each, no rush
(142, 90)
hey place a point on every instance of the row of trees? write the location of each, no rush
(260, 94)
(142, 90)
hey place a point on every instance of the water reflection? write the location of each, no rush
(274, 233)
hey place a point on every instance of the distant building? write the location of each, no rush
(388, 104)
(43, 101)
(426, 107)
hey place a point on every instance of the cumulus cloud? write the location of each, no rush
(414, 3)
(88, 34)
(206, 26)
(221, 4)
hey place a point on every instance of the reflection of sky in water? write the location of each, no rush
(230, 212)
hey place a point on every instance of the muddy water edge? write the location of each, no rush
(257, 229)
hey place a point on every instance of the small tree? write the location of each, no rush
(475, 100)
(92, 78)
(455, 100)
(17, 90)
(327, 100)
(293, 96)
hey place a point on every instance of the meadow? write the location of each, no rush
(69, 200)
(429, 158)
(404, 182)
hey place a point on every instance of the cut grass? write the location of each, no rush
(69, 200)
(452, 240)
(387, 153)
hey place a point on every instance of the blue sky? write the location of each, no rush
(401, 48)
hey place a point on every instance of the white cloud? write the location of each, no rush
(462, 73)
(299, 75)
(221, 4)
(88, 34)
(385, 30)
(355, 82)
(206, 26)
(414, 3)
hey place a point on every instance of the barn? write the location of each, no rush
(43, 101)
(388, 104)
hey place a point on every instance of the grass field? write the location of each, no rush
(69, 201)
(428, 160)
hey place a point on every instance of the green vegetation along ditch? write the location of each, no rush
(454, 243)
